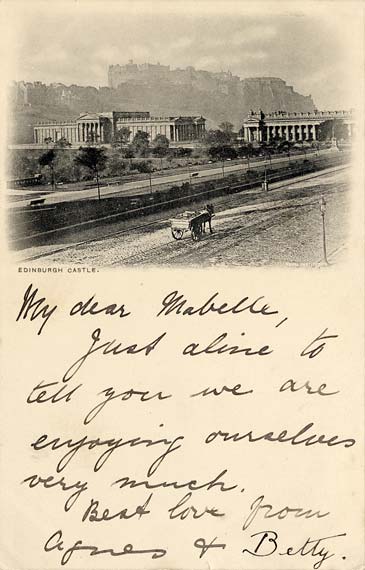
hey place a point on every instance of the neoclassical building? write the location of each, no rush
(104, 127)
(291, 126)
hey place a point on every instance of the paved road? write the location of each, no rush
(139, 186)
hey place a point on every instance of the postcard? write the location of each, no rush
(182, 285)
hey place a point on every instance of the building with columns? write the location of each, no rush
(291, 126)
(103, 127)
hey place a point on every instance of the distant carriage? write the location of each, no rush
(194, 222)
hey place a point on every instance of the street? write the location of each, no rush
(284, 231)
(139, 186)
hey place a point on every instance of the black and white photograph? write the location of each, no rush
(148, 134)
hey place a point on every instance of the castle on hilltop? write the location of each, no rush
(269, 92)
(152, 73)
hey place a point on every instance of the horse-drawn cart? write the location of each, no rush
(193, 222)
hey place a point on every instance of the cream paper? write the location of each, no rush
(249, 457)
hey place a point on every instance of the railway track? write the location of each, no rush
(231, 201)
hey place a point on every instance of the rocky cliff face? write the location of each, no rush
(273, 94)
(217, 96)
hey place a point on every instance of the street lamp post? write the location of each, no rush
(322, 206)
(265, 185)
(223, 167)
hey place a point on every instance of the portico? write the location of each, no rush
(292, 127)
(103, 127)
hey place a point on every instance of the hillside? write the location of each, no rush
(218, 97)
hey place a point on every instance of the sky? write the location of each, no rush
(313, 47)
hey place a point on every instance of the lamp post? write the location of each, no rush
(189, 174)
(222, 167)
(265, 185)
(150, 177)
(322, 206)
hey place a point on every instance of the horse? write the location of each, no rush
(206, 217)
(199, 222)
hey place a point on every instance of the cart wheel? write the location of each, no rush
(177, 234)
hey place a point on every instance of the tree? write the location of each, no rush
(93, 158)
(144, 166)
(116, 164)
(161, 142)
(226, 127)
(246, 150)
(122, 136)
(140, 143)
(48, 141)
(222, 152)
(217, 137)
(64, 166)
(47, 159)
(128, 152)
(160, 147)
(62, 144)
(333, 128)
